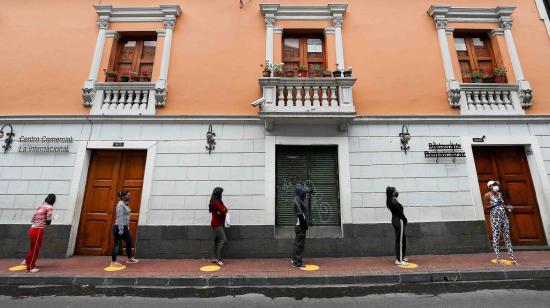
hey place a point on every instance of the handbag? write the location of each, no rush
(227, 222)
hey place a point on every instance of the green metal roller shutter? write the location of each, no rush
(316, 167)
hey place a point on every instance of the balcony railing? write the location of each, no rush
(307, 96)
(490, 99)
(124, 98)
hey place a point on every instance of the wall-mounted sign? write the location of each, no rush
(444, 150)
(482, 139)
(44, 144)
(118, 144)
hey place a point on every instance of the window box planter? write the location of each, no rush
(337, 74)
(110, 78)
(499, 79)
(289, 74)
(124, 78)
(467, 79)
(477, 80)
(347, 73)
(302, 73)
(266, 74)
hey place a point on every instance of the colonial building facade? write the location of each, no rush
(170, 99)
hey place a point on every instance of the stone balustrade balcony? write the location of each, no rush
(312, 97)
(491, 99)
(124, 98)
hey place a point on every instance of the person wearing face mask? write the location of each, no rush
(301, 225)
(120, 229)
(399, 222)
(498, 219)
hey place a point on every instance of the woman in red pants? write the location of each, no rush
(41, 218)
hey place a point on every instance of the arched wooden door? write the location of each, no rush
(109, 173)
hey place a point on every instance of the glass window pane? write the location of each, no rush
(148, 53)
(314, 45)
(127, 52)
(291, 49)
(478, 42)
(460, 44)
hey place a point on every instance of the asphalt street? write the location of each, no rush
(526, 293)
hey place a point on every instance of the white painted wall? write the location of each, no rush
(430, 191)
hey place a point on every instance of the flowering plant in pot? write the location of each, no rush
(124, 75)
(467, 78)
(134, 76)
(347, 72)
(268, 68)
(289, 73)
(317, 70)
(327, 73)
(110, 76)
(337, 72)
(302, 71)
(278, 69)
(499, 75)
(145, 75)
(477, 75)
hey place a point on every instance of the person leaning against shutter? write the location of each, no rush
(399, 222)
(42, 217)
(301, 225)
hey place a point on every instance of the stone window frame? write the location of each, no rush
(107, 14)
(500, 15)
(335, 12)
(543, 14)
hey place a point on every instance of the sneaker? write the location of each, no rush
(34, 270)
(24, 262)
(132, 260)
(220, 263)
(406, 259)
(397, 262)
(115, 264)
(404, 263)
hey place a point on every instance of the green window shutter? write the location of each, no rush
(316, 167)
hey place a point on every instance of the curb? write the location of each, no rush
(241, 281)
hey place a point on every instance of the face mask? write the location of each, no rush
(396, 194)
(495, 188)
(126, 198)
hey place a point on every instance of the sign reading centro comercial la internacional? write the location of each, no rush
(45, 144)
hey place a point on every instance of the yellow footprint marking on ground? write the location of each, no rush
(309, 267)
(114, 268)
(18, 268)
(210, 268)
(504, 262)
(410, 265)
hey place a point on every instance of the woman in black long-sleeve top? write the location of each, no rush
(399, 222)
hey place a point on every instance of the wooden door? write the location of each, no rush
(109, 172)
(508, 165)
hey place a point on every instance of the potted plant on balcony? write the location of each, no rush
(145, 75)
(124, 75)
(289, 73)
(488, 78)
(499, 75)
(337, 72)
(278, 69)
(110, 76)
(302, 71)
(134, 76)
(467, 78)
(347, 72)
(327, 73)
(477, 75)
(317, 70)
(268, 68)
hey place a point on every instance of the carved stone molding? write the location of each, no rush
(471, 14)
(138, 14)
(170, 23)
(453, 96)
(338, 21)
(103, 23)
(302, 12)
(269, 20)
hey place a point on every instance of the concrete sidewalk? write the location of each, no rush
(82, 270)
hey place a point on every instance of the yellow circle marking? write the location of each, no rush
(504, 262)
(18, 268)
(410, 265)
(114, 268)
(210, 268)
(309, 267)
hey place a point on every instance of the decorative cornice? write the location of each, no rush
(328, 31)
(278, 30)
(103, 23)
(466, 14)
(497, 31)
(303, 12)
(112, 33)
(161, 32)
(170, 23)
(137, 14)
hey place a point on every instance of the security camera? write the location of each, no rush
(258, 102)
